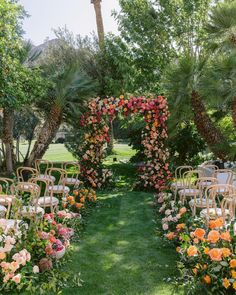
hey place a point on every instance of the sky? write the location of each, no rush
(77, 15)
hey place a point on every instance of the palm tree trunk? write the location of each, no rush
(7, 138)
(46, 134)
(207, 129)
(99, 21)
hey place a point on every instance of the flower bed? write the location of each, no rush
(207, 257)
(33, 253)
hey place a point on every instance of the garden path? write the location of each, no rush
(119, 252)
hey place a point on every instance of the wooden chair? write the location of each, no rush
(189, 185)
(224, 176)
(23, 174)
(32, 209)
(200, 201)
(46, 199)
(218, 204)
(179, 174)
(6, 191)
(59, 186)
(42, 166)
(73, 170)
(208, 170)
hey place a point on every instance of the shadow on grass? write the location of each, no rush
(119, 253)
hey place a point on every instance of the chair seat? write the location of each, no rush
(44, 176)
(6, 199)
(59, 188)
(189, 191)
(71, 180)
(200, 202)
(213, 212)
(177, 184)
(3, 209)
(48, 201)
(30, 210)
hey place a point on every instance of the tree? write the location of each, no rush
(99, 20)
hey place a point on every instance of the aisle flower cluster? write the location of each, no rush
(155, 173)
(206, 252)
(81, 199)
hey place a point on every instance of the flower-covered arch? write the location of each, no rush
(155, 173)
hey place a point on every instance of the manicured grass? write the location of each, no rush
(120, 252)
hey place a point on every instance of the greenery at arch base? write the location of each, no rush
(155, 173)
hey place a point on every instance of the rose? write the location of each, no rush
(17, 278)
(165, 226)
(36, 269)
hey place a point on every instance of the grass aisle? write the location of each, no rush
(119, 252)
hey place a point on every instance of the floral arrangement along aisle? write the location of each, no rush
(207, 257)
(155, 173)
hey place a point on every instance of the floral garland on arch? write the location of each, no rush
(155, 173)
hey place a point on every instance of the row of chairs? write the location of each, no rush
(208, 189)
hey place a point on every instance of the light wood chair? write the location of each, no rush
(179, 174)
(224, 176)
(59, 186)
(73, 170)
(190, 190)
(46, 199)
(6, 191)
(23, 174)
(42, 166)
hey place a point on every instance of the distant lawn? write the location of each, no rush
(122, 152)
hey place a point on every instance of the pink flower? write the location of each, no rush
(165, 226)
(17, 278)
(36, 269)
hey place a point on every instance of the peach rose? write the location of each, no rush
(182, 210)
(213, 236)
(215, 254)
(180, 226)
(232, 263)
(226, 283)
(192, 251)
(225, 236)
(207, 279)
(170, 236)
(16, 279)
(219, 222)
(199, 233)
(2, 255)
(226, 252)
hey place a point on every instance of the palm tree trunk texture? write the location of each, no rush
(207, 129)
(7, 138)
(99, 20)
(46, 134)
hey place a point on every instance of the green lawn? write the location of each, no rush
(120, 253)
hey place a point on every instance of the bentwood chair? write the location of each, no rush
(179, 174)
(23, 174)
(6, 191)
(200, 201)
(59, 186)
(31, 191)
(190, 190)
(224, 176)
(218, 204)
(42, 166)
(72, 170)
(46, 198)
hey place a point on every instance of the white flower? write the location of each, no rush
(36, 269)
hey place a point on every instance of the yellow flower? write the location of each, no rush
(234, 285)
(206, 250)
(233, 274)
(226, 283)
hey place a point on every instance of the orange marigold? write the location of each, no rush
(215, 254)
(213, 236)
(225, 236)
(226, 283)
(207, 279)
(192, 251)
(226, 252)
(199, 233)
(232, 263)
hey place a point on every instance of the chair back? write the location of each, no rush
(25, 173)
(224, 176)
(190, 177)
(6, 186)
(30, 188)
(44, 188)
(208, 170)
(179, 171)
(58, 173)
(42, 165)
(72, 169)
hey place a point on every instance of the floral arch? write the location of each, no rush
(155, 173)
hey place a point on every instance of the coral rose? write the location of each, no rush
(215, 254)
(226, 283)
(213, 236)
(182, 210)
(16, 279)
(219, 222)
(170, 236)
(180, 226)
(192, 251)
(232, 263)
(225, 236)
(226, 252)
(207, 279)
(199, 233)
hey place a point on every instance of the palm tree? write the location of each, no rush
(181, 85)
(222, 33)
(99, 20)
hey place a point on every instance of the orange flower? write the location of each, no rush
(206, 250)
(75, 192)
(215, 254)
(200, 233)
(192, 251)
(226, 252)
(180, 226)
(207, 279)
(2, 255)
(233, 274)
(232, 263)
(225, 236)
(170, 236)
(79, 205)
(226, 283)
(234, 285)
(213, 236)
(82, 200)
(219, 222)
(182, 210)
(71, 200)
(196, 241)
(194, 271)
